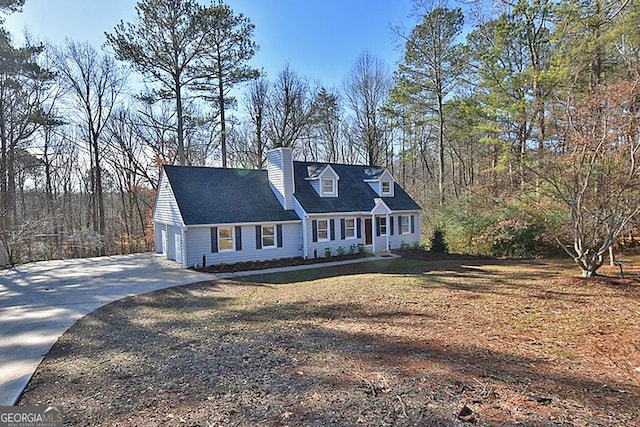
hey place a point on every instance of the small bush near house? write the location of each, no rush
(341, 251)
(327, 252)
(438, 243)
(361, 248)
(353, 248)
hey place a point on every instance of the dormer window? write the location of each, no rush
(328, 187)
(386, 187)
(380, 181)
(323, 179)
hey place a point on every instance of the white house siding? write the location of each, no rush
(165, 215)
(166, 208)
(317, 249)
(397, 239)
(199, 244)
(280, 170)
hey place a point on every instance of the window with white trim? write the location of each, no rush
(328, 186)
(386, 187)
(350, 228)
(323, 229)
(383, 226)
(404, 225)
(268, 236)
(225, 239)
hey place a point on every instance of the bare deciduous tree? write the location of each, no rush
(597, 173)
(366, 90)
(290, 108)
(94, 83)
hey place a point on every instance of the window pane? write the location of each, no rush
(327, 186)
(323, 229)
(404, 220)
(225, 238)
(386, 186)
(383, 226)
(267, 241)
(268, 236)
(349, 228)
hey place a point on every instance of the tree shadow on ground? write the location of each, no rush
(202, 356)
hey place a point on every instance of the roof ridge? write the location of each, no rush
(213, 167)
(336, 164)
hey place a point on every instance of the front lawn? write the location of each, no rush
(393, 342)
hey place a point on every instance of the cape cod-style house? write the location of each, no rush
(221, 215)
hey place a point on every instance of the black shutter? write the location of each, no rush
(214, 239)
(332, 227)
(400, 224)
(391, 224)
(413, 226)
(359, 228)
(258, 237)
(314, 230)
(279, 234)
(238, 238)
(377, 226)
(342, 228)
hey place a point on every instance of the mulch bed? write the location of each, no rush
(274, 263)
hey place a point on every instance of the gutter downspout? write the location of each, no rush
(184, 246)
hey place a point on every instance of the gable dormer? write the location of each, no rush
(380, 180)
(323, 179)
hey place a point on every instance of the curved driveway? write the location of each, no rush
(40, 301)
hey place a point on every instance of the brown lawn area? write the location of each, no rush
(394, 342)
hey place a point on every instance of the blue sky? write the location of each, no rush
(320, 39)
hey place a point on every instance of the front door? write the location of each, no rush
(368, 232)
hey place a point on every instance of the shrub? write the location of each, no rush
(327, 252)
(352, 249)
(361, 248)
(509, 228)
(516, 238)
(341, 251)
(437, 242)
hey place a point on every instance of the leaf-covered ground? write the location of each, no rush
(395, 342)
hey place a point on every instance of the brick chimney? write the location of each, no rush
(280, 170)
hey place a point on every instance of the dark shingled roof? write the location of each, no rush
(222, 196)
(354, 194)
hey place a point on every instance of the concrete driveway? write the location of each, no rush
(40, 301)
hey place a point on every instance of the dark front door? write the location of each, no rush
(368, 232)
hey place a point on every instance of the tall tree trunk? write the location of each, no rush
(440, 148)
(223, 124)
(100, 196)
(181, 153)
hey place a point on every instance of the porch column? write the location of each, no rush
(374, 231)
(386, 218)
(305, 244)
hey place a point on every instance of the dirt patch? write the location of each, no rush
(393, 342)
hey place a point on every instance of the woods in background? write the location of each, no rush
(515, 124)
